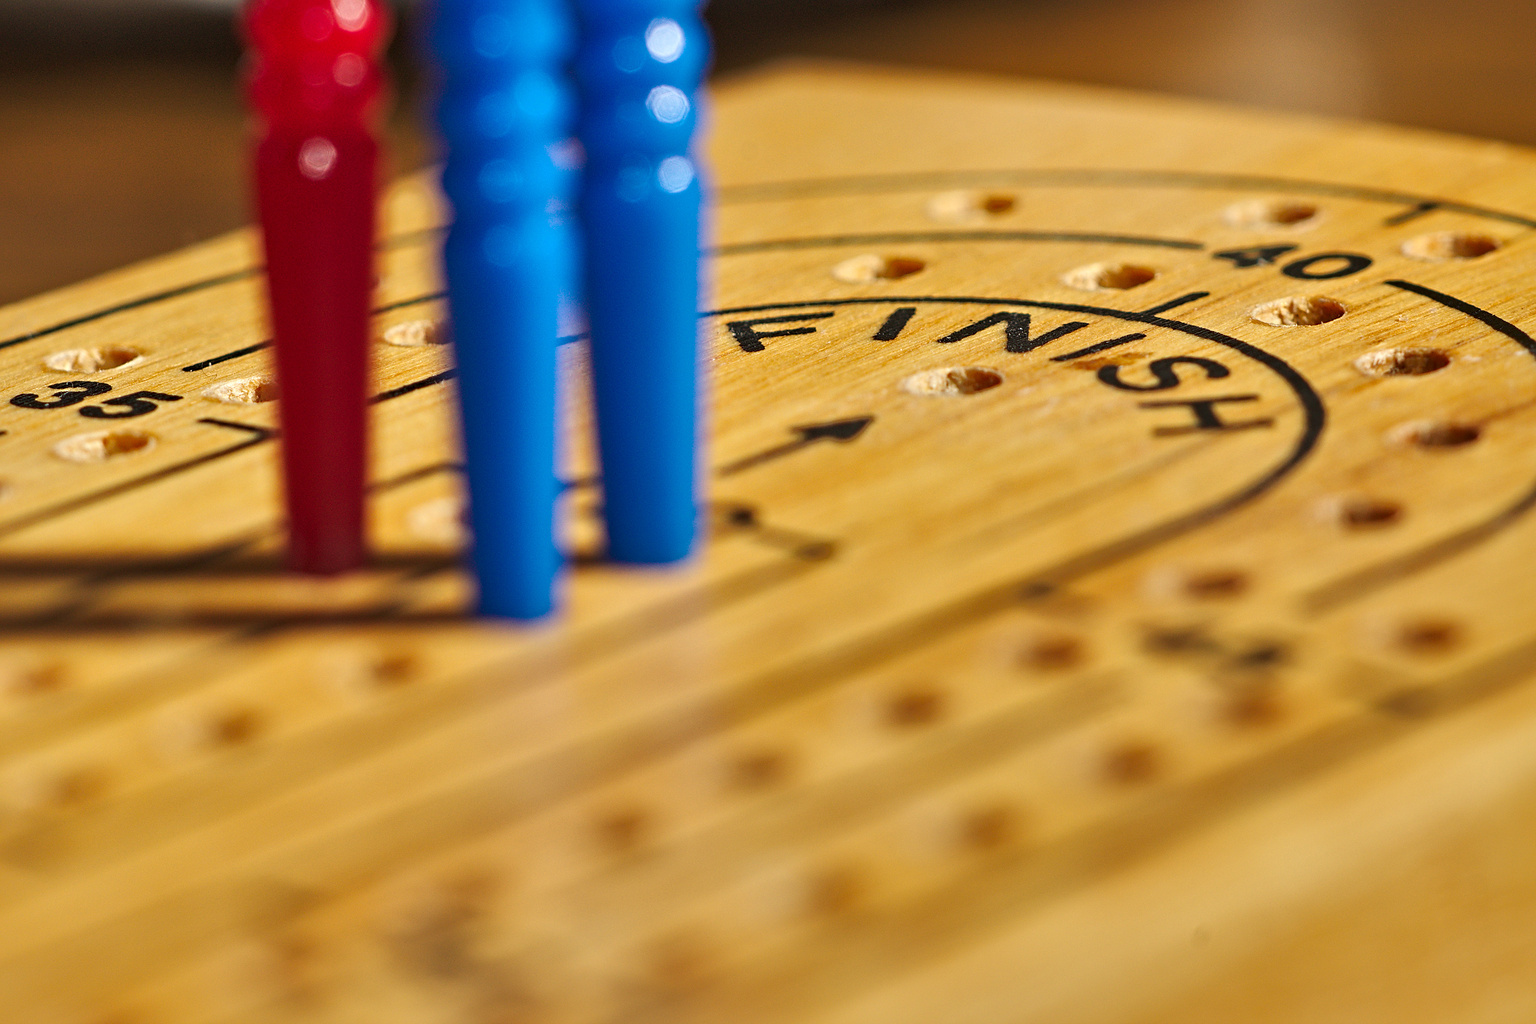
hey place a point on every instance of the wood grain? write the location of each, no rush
(1031, 700)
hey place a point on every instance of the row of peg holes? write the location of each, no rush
(904, 710)
(182, 731)
(101, 445)
(967, 206)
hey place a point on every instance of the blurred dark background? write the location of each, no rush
(122, 133)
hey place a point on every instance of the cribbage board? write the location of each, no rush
(1118, 607)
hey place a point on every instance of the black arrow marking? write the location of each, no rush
(841, 431)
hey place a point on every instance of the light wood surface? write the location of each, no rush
(1013, 698)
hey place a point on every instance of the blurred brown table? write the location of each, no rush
(124, 140)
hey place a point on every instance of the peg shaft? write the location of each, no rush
(315, 82)
(505, 113)
(640, 67)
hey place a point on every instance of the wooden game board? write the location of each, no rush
(1078, 640)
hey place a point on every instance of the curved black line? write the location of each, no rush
(123, 307)
(899, 237)
(262, 435)
(1042, 582)
(257, 436)
(261, 345)
(875, 183)
(1365, 581)
(1498, 323)
(898, 182)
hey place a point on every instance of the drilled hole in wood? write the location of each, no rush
(1179, 641)
(416, 334)
(1298, 311)
(1436, 434)
(836, 890)
(991, 827)
(58, 788)
(1252, 708)
(1096, 277)
(1213, 584)
(1401, 362)
(759, 769)
(952, 381)
(1449, 245)
(27, 677)
(1271, 213)
(101, 445)
(740, 517)
(1260, 654)
(92, 360)
(1131, 762)
(230, 727)
(432, 926)
(623, 830)
(391, 670)
(1363, 513)
(870, 267)
(195, 730)
(1428, 637)
(967, 206)
(244, 391)
(914, 707)
(366, 674)
(1053, 653)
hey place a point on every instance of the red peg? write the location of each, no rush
(315, 81)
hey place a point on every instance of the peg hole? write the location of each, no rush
(1179, 642)
(1097, 277)
(1401, 362)
(101, 445)
(58, 787)
(230, 727)
(1053, 653)
(244, 391)
(1436, 434)
(758, 769)
(92, 360)
(1260, 655)
(1252, 708)
(416, 334)
(990, 827)
(1298, 311)
(1218, 584)
(1363, 513)
(29, 678)
(1428, 637)
(1131, 762)
(1439, 246)
(870, 268)
(1271, 213)
(952, 380)
(623, 830)
(835, 890)
(966, 206)
(914, 707)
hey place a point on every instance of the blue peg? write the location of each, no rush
(640, 65)
(504, 110)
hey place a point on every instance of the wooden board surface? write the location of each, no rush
(1072, 643)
